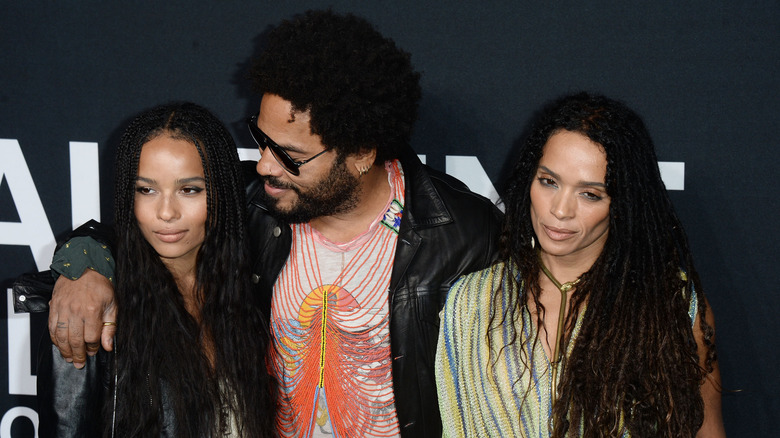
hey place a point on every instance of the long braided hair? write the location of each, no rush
(634, 364)
(161, 362)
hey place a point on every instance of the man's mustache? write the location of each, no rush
(277, 183)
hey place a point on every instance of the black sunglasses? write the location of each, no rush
(263, 141)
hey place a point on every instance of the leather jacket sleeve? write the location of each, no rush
(446, 231)
(32, 291)
(72, 402)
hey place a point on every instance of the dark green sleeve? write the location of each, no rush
(81, 253)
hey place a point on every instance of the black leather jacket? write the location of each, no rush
(82, 403)
(71, 402)
(446, 231)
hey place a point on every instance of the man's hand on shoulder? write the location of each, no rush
(77, 312)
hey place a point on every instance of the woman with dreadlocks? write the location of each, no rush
(593, 322)
(190, 343)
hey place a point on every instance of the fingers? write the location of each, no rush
(92, 348)
(58, 329)
(85, 327)
(93, 326)
(76, 340)
(76, 315)
(60, 338)
(109, 330)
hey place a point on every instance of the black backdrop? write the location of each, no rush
(704, 75)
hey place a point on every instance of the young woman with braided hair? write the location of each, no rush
(593, 323)
(190, 342)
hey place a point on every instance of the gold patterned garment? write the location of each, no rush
(330, 322)
(507, 398)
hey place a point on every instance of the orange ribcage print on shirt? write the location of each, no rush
(330, 324)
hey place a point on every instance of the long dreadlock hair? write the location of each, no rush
(635, 358)
(160, 346)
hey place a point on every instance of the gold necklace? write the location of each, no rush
(563, 288)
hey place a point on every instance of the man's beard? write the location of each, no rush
(336, 193)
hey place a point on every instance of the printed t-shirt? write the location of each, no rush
(331, 334)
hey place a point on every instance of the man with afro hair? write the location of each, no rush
(355, 242)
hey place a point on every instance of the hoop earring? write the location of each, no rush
(533, 242)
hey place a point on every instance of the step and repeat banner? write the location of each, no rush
(703, 75)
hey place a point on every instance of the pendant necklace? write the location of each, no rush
(563, 288)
